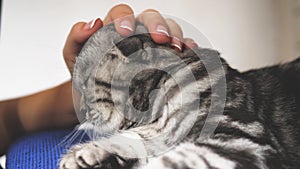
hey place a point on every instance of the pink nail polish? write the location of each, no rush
(126, 24)
(90, 24)
(163, 30)
(175, 42)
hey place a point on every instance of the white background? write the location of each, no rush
(248, 33)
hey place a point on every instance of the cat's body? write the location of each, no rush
(259, 127)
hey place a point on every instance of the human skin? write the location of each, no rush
(53, 108)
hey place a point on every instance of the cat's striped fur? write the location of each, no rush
(259, 127)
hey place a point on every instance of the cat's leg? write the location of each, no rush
(115, 152)
(188, 155)
(218, 154)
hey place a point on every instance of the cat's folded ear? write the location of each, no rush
(129, 45)
(201, 53)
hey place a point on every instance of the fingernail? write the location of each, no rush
(175, 42)
(162, 29)
(126, 24)
(90, 24)
(192, 44)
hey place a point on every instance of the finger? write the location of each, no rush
(123, 18)
(189, 43)
(175, 34)
(78, 35)
(156, 25)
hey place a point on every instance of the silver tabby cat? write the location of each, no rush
(152, 119)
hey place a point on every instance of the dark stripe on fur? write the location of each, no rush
(102, 83)
(105, 100)
(242, 158)
(169, 163)
(206, 162)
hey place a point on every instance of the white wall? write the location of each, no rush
(289, 28)
(34, 31)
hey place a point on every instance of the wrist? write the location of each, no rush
(12, 119)
(10, 126)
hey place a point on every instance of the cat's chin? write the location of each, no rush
(96, 131)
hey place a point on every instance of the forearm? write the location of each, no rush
(10, 125)
(51, 108)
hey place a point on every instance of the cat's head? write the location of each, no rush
(126, 81)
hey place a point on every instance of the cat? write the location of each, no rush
(152, 117)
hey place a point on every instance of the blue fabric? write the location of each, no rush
(39, 151)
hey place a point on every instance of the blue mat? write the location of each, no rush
(38, 151)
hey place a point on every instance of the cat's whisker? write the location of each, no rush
(76, 136)
(67, 138)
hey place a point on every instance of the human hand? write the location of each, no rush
(162, 30)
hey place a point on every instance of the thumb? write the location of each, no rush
(78, 35)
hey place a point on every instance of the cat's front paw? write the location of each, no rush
(88, 155)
